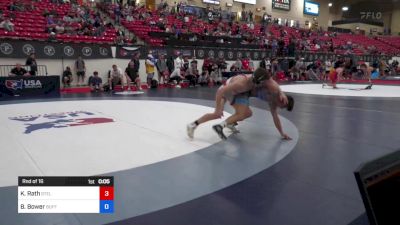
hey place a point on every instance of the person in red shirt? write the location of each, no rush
(334, 76)
(245, 64)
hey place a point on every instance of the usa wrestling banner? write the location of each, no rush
(25, 87)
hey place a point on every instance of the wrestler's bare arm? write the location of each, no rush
(273, 87)
(277, 122)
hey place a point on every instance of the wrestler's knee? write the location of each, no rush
(244, 115)
(248, 113)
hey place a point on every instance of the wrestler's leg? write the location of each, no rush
(218, 113)
(242, 111)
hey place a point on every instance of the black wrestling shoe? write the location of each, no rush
(219, 130)
(369, 87)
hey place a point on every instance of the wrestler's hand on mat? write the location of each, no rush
(286, 137)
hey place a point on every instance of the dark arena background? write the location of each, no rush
(111, 112)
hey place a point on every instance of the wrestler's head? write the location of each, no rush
(261, 75)
(289, 106)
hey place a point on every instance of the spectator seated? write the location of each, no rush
(44, 20)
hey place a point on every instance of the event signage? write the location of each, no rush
(53, 50)
(281, 4)
(24, 87)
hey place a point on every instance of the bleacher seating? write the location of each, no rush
(365, 42)
(31, 25)
(360, 44)
(392, 41)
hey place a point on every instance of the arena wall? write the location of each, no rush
(362, 26)
(396, 21)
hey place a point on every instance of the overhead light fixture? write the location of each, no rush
(330, 4)
(345, 8)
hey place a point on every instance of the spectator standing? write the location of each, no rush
(136, 63)
(132, 73)
(291, 48)
(208, 64)
(67, 77)
(176, 74)
(328, 66)
(189, 73)
(274, 47)
(382, 68)
(120, 37)
(162, 69)
(274, 66)
(170, 64)
(31, 62)
(284, 65)
(251, 65)
(193, 68)
(18, 71)
(394, 68)
(365, 72)
(95, 82)
(80, 69)
(117, 13)
(297, 69)
(281, 46)
(245, 64)
(150, 68)
(312, 72)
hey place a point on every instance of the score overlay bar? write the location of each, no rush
(65, 194)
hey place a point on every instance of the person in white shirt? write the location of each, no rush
(118, 77)
(328, 66)
(7, 25)
(176, 74)
(129, 18)
(250, 26)
(298, 69)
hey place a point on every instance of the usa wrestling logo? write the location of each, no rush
(21, 84)
(14, 84)
(59, 120)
